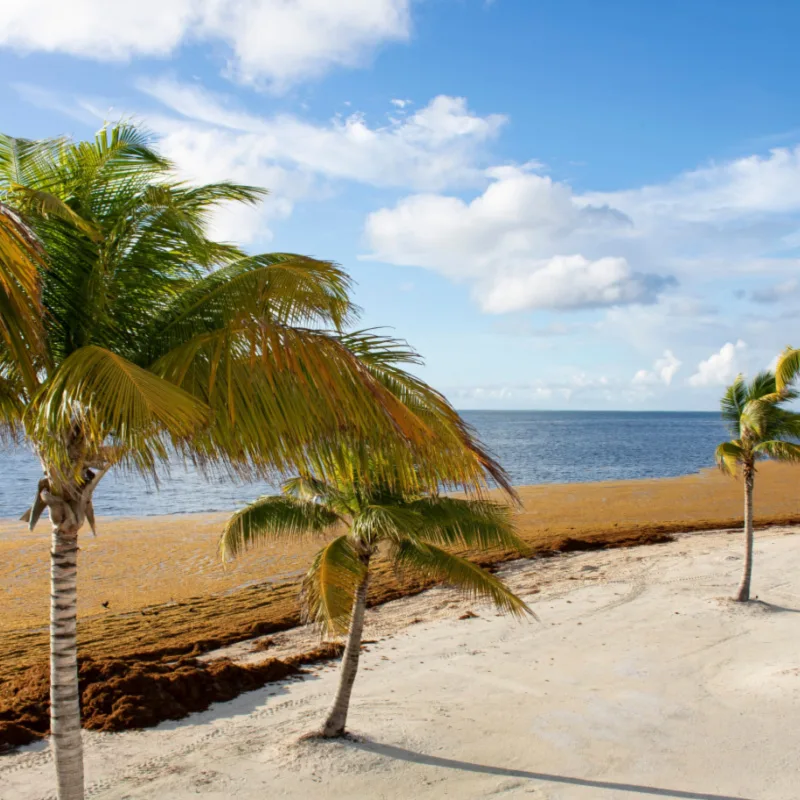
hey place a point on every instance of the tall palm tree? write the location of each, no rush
(414, 528)
(126, 335)
(761, 428)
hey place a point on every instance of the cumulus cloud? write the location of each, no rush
(511, 242)
(719, 369)
(275, 42)
(663, 371)
(569, 282)
(526, 242)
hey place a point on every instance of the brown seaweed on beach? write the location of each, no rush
(118, 694)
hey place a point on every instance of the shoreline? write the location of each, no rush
(170, 599)
(139, 562)
(9, 521)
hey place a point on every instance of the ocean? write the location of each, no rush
(533, 446)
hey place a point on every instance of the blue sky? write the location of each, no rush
(559, 203)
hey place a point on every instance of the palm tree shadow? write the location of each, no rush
(400, 753)
(773, 607)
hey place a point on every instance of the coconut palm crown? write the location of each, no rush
(761, 427)
(127, 335)
(415, 530)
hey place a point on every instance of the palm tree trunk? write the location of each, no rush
(65, 715)
(337, 717)
(743, 594)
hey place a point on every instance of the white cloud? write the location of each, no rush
(526, 242)
(719, 369)
(574, 386)
(434, 148)
(663, 371)
(719, 193)
(568, 282)
(272, 41)
(511, 242)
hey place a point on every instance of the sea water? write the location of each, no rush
(533, 446)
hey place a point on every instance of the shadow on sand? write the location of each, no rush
(392, 751)
(755, 602)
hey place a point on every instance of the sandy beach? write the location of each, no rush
(641, 679)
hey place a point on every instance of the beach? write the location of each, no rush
(171, 603)
(639, 679)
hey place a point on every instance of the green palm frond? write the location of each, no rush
(761, 386)
(21, 332)
(779, 450)
(112, 400)
(331, 583)
(281, 288)
(12, 407)
(783, 424)
(310, 387)
(274, 518)
(478, 524)
(376, 522)
(476, 583)
(732, 404)
(257, 341)
(441, 453)
(787, 368)
(728, 456)
(46, 205)
(27, 162)
(307, 487)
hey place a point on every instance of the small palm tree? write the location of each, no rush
(414, 529)
(126, 334)
(761, 428)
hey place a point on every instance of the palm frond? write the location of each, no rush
(330, 585)
(27, 162)
(376, 522)
(39, 203)
(20, 295)
(307, 487)
(111, 400)
(761, 386)
(279, 288)
(434, 563)
(728, 456)
(452, 456)
(312, 389)
(273, 518)
(779, 450)
(787, 368)
(12, 407)
(732, 404)
(480, 524)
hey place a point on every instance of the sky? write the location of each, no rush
(561, 204)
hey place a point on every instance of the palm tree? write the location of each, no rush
(414, 528)
(761, 428)
(127, 335)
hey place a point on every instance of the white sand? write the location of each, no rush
(641, 680)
